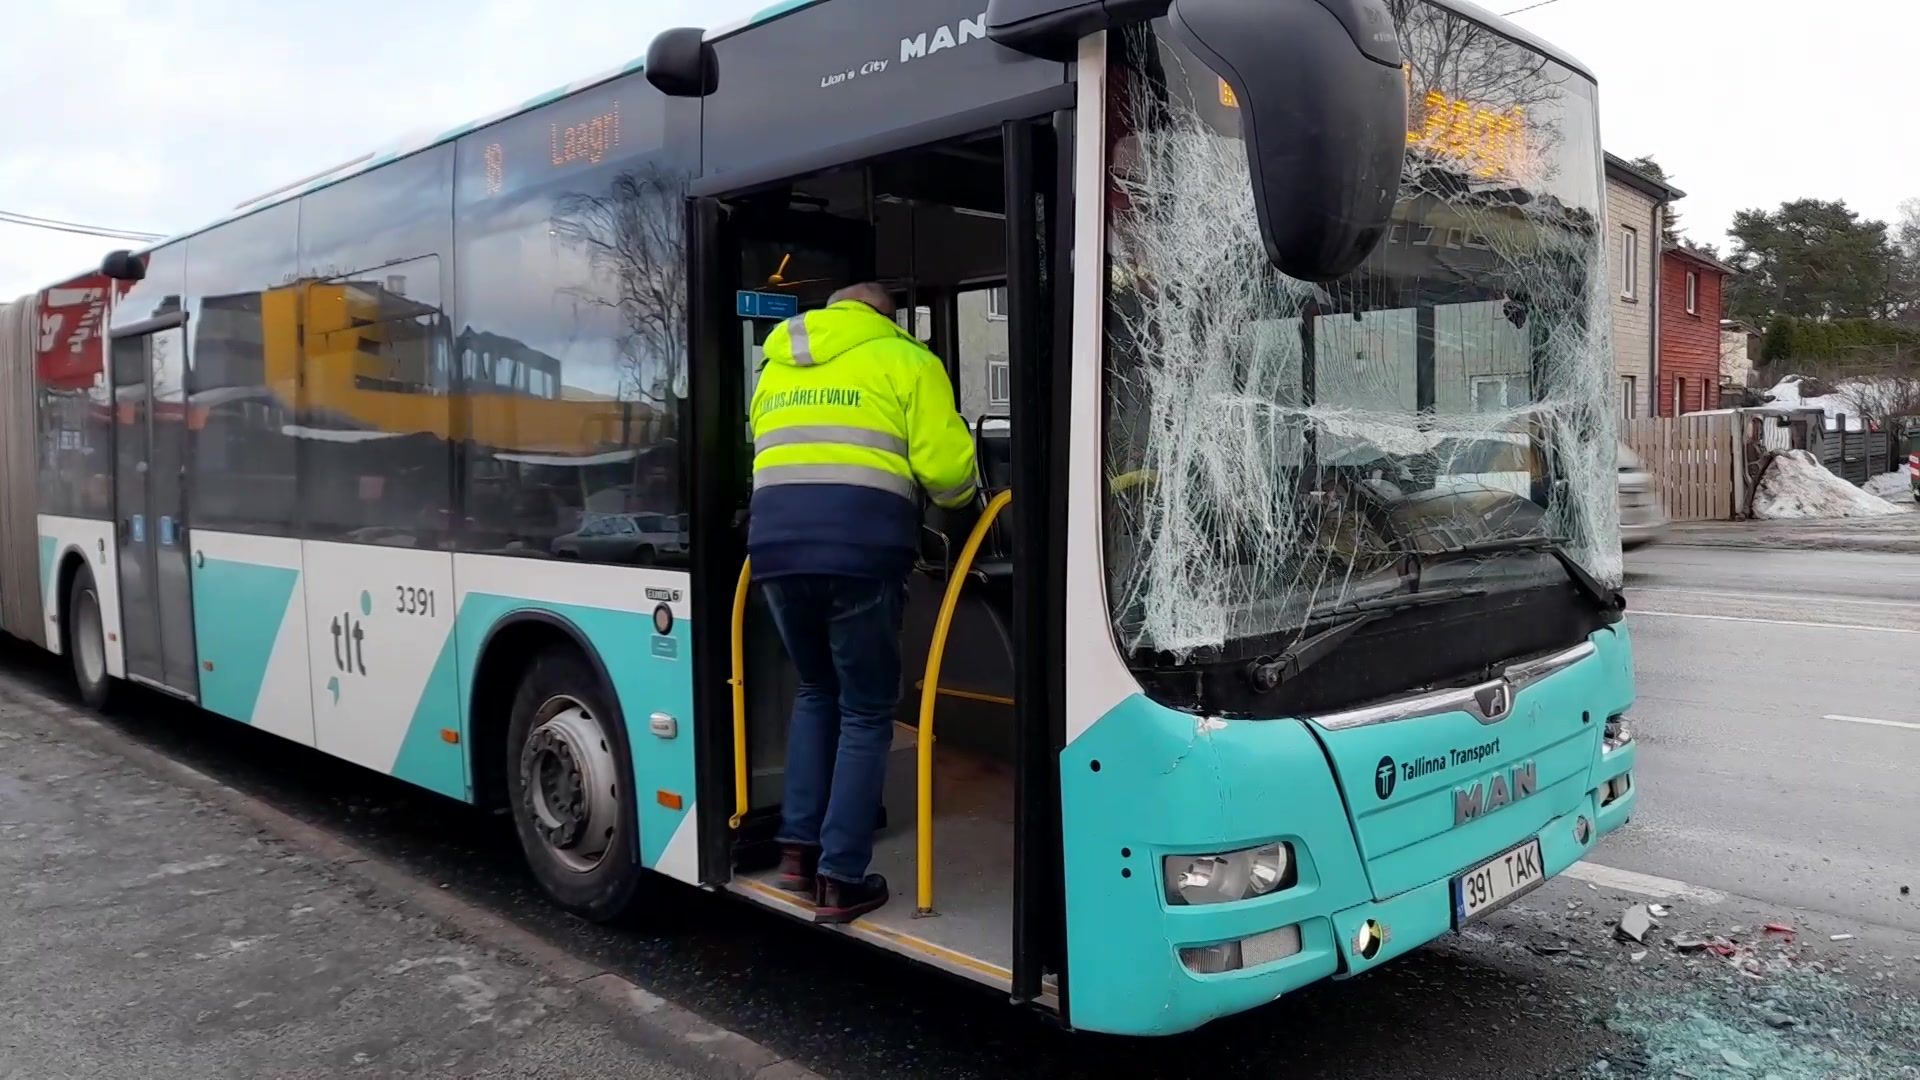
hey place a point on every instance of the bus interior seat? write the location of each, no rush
(993, 445)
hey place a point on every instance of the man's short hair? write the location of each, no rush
(870, 293)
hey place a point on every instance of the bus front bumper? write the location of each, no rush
(1149, 784)
(1405, 922)
(1354, 939)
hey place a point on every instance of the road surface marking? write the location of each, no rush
(1776, 622)
(1643, 884)
(1871, 720)
(1796, 597)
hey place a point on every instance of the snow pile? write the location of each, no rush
(1893, 486)
(1796, 485)
(1786, 393)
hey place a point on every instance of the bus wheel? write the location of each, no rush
(570, 782)
(87, 641)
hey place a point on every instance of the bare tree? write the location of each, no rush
(635, 238)
(1883, 389)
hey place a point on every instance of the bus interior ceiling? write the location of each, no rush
(929, 225)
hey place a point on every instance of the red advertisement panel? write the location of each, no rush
(73, 324)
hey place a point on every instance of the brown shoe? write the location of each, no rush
(799, 869)
(844, 901)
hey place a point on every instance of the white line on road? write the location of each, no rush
(1776, 622)
(1871, 720)
(1643, 884)
(1825, 598)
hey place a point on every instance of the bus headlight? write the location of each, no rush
(1618, 734)
(1233, 875)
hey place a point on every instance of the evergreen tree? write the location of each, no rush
(1670, 218)
(1815, 259)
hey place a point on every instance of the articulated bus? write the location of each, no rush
(1286, 639)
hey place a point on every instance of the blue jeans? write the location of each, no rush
(843, 635)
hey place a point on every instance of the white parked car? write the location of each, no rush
(1642, 521)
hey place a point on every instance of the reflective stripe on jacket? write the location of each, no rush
(850, 414)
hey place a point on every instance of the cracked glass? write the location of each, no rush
(1279, 449)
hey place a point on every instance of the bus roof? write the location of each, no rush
(1515, 33)
(413, 145)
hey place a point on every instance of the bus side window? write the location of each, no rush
(571, 295)
(377, 407)
(243, 352)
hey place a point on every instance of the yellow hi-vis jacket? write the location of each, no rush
(851, 412)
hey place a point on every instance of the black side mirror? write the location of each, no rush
(680, 63)
(1323, 110)
(124, 266)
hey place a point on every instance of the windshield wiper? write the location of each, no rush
(1604, 598)
(1270, 672)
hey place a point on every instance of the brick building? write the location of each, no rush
(1690, 312)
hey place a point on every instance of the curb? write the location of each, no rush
(651, 1020)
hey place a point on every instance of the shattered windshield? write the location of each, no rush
(1276, 448)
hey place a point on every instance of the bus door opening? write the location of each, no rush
(930, 226)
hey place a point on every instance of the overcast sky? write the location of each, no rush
(159, 115)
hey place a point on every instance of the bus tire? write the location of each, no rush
(87, 640)
(570, 786)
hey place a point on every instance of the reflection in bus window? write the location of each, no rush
(572, 294)
(376, 410)
(242, 472)
(376, 413)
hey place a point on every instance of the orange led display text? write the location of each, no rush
(1490, 143)
(589, 140)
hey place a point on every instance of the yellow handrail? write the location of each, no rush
(930, 692)
(739, 683)
(968, 695)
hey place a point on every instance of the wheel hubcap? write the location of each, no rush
(571, 784)
(89, 641)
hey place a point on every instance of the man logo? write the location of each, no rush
(944, 37)
(1384, 775)
(1494, 701)
(1504, 788)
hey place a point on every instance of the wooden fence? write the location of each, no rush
(1692, 460)
(1858, 456)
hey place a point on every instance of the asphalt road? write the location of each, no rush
(1750, 781)
(1745, 789)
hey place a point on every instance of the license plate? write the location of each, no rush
(1497, 881)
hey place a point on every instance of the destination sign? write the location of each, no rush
(613, 123)
(1488, 142)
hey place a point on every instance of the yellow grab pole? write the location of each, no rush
(930, 693)
(739, 683)
(970, 695)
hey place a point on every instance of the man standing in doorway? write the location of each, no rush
(851, 413)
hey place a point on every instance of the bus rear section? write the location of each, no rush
(1348, 668)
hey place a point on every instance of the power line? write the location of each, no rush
(82, 230)
(35, 219)
(1529, 7)
(31, 221)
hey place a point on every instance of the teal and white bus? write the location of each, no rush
(1287, 639)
